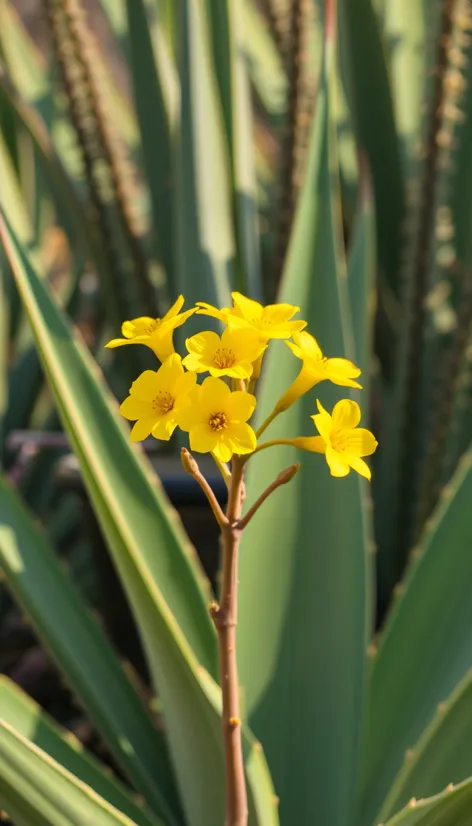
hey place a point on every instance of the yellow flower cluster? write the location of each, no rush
(216, 413)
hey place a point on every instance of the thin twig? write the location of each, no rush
(225, 619)
(282, 479)
(192, 468)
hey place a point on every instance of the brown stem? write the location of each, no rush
(282, 479)
(192, 468)
(225, 620)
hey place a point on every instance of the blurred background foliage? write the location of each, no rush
(154, 147)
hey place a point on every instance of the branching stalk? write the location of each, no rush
(225, 618)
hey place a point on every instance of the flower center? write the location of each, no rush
(339, 440)
(150, 328)
(163, 402)
(223, 358)
(218, 421)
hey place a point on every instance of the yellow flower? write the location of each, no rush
(231, 355)
(269, 322)
(156, 398)
(156, 333)
(216, 420)
(340, 439)
(316, 368)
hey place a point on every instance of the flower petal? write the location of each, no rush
(308, 345)
(241, 406)
(306, 379)
(164, 427)
(241, 437)
(360, 466)
(249, 309)
(195, 362)
(175, 309)
(342, 372)
(337, 462)
(323, 422)
(133, 408)
(360, 442)
(278, 313)
(138, 326)
(120, 342)
(170, 372)
(246, 344)
(243, 370)
(213, 312)
(185, 384)
(315, 444)
(188, 411)
(346, 415)
(215, 394)
(142, 429)
(223, 450)
(146, 386)
(202, 438)
(203, 343)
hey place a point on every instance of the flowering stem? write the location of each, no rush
(223, 470)
(192, 468)
(282, 479)
(271, 443)
(225, 620)
(267, 422)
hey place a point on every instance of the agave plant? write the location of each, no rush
(356, 709)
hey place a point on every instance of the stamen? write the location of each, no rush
(224, 358)
(163, 402)
(218, 421)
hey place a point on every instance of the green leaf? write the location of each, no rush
(61, 185)
(442, 755)
(155, 94)
(265, 65)
(405, 32)
(373, 119)
(83, 654)
(424, 650)
(147, 526)
(151, 557)
(205, 235)
(451, 808)
(229, 38)
(30, 721)
(361, 272)
(37, 791)
(303, 623)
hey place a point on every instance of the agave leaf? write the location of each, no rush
(205, 237)
(148, 528)
(441, 756)
(361, 272)
(451, 808)
(302, 650)
(4, 356)
(155, 94)
(416, 669)
(23, 58)
(10, 194)
(152, 559)
(68, 203)
(265, 65)
(30, 721)
(83, 654)
(37, 791)
(228, 39)
(405, 33)
(374, 123)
